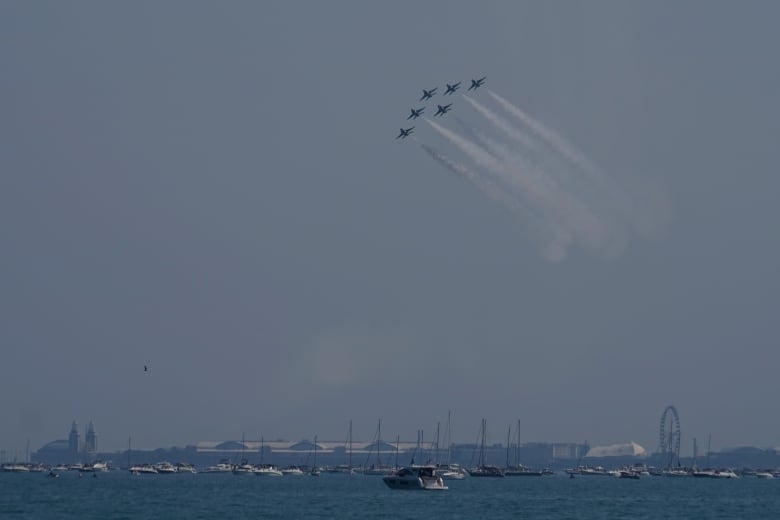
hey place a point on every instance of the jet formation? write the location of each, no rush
(440, 109)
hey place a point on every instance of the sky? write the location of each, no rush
(215, 191)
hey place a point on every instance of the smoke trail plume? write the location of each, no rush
(630, 207)
(501, 123)
(558, 208)
(554, 241)
(555, 141)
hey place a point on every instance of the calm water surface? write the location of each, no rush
(117, 495)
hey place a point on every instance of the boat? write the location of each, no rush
(715, 473)
(292, 471)
(143, 469)
(415, 478)
(16, 468)
(677, 472)
(764, 474)
(448, 470)
(376, 468)
(482, 469)
(522, 471)
(315, 470)
(267, 470)
(589, 471)
(183, 467)
(95, 467)
(451, 471)
(165, 468)
(222, 467)
(628, 473)
(244, 468)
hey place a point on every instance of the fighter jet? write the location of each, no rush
(476, 83)
(405, 133)
(428, 94)
(452, 88)
(442, 109)
(415, 113)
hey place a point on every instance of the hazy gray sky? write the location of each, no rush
(214, 190)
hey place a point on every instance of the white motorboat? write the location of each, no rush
(95, 467)
(183, 467)
(243, 469)
(267, 470)
(715, 473)
(143, 469)
(16, 468)
(222, 467)
(294, 471)
(764, 474)
(451, 472)
(415, 477)
(165, 468)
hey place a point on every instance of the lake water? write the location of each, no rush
(118, 495)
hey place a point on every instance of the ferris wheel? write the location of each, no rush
(669, 439)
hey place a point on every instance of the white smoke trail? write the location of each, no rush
(560, 210)
(490, 188)
(501, 123)
(631, 208)
(554, 240)
(554, 140)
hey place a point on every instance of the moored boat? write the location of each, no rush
(267, 470)
(415, 478)
(143, 469)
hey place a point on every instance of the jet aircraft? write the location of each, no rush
(442, 109)
(452, 88)
(415, 113)
(405, 133)
(428, 94)
(476, 83)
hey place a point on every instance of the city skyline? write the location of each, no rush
(428, 437)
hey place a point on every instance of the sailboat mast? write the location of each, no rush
(449, 437)
(349, 463)
(397, 442)
(436, 455)
(378, 436)
(508, 434)
(482, 444)
(517, 446)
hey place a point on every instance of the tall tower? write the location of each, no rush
(90, 439)
(73, 439)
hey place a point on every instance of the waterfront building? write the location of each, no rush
(73, 438)
(90, 440)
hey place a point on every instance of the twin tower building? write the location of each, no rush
(90, 440)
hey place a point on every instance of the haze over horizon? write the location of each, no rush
(216, 193)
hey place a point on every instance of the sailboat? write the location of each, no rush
(315, 470)
(344, 468)
(517, 469)
(448, 470)
(482, 469)
(377, 468)
(243, 467)
(266, 470)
